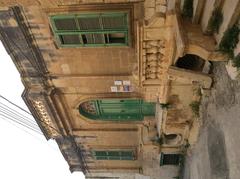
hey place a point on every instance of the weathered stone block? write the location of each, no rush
(162, 2)
(161, 8)
(149, 3)
(149, 12)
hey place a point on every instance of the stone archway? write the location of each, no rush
(172, 139)
(191, 62)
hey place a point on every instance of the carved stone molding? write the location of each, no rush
(153, 52)
(45, 118)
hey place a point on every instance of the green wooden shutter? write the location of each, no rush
(100, 29)
(113, 155)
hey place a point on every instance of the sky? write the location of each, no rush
(25, 154)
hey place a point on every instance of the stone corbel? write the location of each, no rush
(157, 20)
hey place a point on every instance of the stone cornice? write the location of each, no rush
(20, 44)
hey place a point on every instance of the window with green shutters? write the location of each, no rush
(113, 155)
(99, 29)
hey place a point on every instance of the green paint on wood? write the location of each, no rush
(113, 155)
(86, 30)
(117, 109)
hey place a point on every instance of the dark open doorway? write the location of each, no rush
(191, 62)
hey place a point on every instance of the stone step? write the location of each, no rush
(209, 7)
(237, 49)
(198, 6)
(231, 14)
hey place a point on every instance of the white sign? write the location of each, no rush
(114, 89)
(118, 82)
(126, 82)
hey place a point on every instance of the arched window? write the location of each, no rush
(117, 109)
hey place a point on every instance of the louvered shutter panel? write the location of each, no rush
(113, 155)
(65, 24)
(70, 39)
(115, 22)
(90, 23)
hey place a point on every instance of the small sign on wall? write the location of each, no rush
(126, 83)
(114, 89)
(122, 86)
(118, 82)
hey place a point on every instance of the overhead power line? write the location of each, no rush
(27, 113)
(6, 116)
(13, 120)
(15, 105)
(19, 118)
(20, 115)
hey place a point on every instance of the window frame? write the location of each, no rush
(164, 155)
(114, 157)
(125, 30)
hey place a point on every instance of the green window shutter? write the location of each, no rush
(67, 24)
(114, 22)
(127, 155)
(101, 153)
(113, 155)
(100, 29)
(70, 39)
(89, 23)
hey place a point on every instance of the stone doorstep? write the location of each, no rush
(206, 67)
(232, 71)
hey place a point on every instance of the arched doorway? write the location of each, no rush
(117, 109)
(172, 139)
(191, 62)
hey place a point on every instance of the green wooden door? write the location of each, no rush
(119, 109)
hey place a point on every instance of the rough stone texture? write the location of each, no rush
(161, 8)
(231, 13)
(162, 2)
(217, 154)
(207, 12)
(79, 74)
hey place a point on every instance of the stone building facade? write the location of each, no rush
(112, 81)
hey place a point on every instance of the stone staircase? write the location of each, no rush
(207, 12)
(203, 12)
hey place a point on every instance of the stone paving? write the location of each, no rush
(217, 152)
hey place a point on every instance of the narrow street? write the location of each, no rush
(217, 153)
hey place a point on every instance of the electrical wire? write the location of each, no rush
(14, 112)
(30, 133)
(16, 121)
(10, 117)
(17, 126)
(30, 114)
(14, 44)
(20, 119)
(15, 105)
